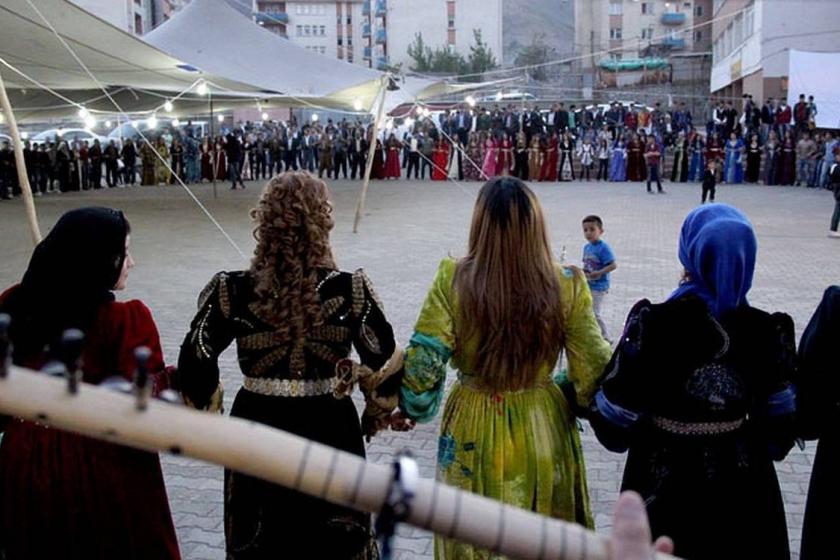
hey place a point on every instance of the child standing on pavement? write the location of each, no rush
(709, 182)
(598, 262)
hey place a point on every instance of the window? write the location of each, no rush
(615, 8)
(749, 21)
(615, 33)
(647, 8)
(727, 40)
(647, 33)
(307, 30)
(340, 41)
(451, 22)
(299, 29)
(738, 29)
(698, 10)
(138, 24)
(349, 41)
(450, 38)
(322, 30)
(322, 50)
(698, 36)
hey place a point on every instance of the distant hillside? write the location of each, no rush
(525, 19)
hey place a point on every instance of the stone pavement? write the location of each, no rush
(408, 227)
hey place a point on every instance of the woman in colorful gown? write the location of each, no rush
(220, 161)
(696, 148)
(714, 151)
(177, 154)
(733, 167)
(207, 155)
(550, 155)
(377, 170)
(753, 160)
(521, 157)
(636, 169)
(567, 164)
(392, 162)
(295, 318)
(66, 495)
(147, 162)
(535, 157)
(618, 163)
(161, 169)
(472, 171)
(508, 431)
(700, 392)
(786, 168)
(503, 169)
(679, 173)
(491, 157)
(771, 158)
(440, 160)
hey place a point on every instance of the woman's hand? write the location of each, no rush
(400, 422)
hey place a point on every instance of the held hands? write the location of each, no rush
(396, 421)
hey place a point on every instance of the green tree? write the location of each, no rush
(536, 53)
(481, 57)
(421, 54)
(447, 61)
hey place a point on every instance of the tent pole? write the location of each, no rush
(360, 203)
(23, 178)
(211, 145)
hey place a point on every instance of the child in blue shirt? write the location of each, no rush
(598, 262)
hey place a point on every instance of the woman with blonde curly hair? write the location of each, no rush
(295, 318)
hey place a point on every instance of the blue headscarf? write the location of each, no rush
(717, 250)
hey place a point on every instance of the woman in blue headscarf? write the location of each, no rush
(699, 392)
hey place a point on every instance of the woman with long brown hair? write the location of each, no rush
(502, 315)
(295, 318)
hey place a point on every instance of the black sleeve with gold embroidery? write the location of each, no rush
(373, 339)
(210, 334)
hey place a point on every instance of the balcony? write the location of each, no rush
(367, 53)
(366, 31)
(381, 37)
(382, 62)
(366, 8)
(673, 43)
(673, 18)
(381, 8)
(271, 18)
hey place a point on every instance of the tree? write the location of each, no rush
(481, 58)
(536, 53)
(447, 61)
(420, 54)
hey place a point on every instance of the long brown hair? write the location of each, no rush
(294, 219)
(507, 287)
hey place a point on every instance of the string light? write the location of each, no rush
(357, 105)
(409, 122)
(24, 135)
(83, 113)
(152, 122)
(90, 122)
(2, 118)
(264, 116)
(168, 106)
(220, 118)
(202, 88)
(176, 122)
(108, 124)
(315, 117)
(470, 100)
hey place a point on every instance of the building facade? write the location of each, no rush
(751, 40)
(634, 29)
(392, 25)
(332, 29)
(134, 16)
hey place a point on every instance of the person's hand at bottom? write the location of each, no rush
(630, 538)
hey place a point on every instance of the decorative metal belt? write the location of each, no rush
(696, 428)
(290, 387)
(477, 383)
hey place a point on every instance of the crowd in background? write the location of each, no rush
(772, 144)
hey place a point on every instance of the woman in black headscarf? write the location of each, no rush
(63, 495)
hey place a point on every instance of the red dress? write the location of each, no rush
(70, 496)
(505, 158)
(221, 164)
(550, 161)
(440, 159)
(378, 169)
(206, 164)
(392, 164)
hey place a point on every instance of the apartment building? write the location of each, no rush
(134, 16)
(752, 39)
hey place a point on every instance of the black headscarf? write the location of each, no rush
(71, 273)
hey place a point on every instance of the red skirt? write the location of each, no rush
(392, 164)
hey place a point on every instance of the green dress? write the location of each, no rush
(519, 447)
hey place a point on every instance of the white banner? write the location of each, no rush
(817, 74)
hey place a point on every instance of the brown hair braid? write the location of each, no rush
(294, 219)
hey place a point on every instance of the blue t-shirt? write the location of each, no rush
(595, 257)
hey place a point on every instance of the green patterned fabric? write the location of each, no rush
(520, 447)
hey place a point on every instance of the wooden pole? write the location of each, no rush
(211, 145)
(360, 204)
(23, 177)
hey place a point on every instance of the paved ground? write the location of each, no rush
(408, 228)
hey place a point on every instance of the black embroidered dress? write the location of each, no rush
(704, 407)
(290, 387)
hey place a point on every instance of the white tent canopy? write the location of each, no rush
(817, 74)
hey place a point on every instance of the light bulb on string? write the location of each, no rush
(2, 118)
(315, 117)
(357, 105)
(24, 135)
(108, 124)
(176, 122)
(202, 88)
(152, 122)
(220, 118)
(409, 122)
(419, 111)
(264, 116)
(470, 100)
(168, 106)
(90, 122)
(83, 113)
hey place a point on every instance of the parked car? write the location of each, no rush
(133, 128)
(510, 96)
(69, 135)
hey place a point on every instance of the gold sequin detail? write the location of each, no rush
(369, 286)
(332, 305)
(269, 360)
(358, 292)
(331, 333)
(224, 296)
(290, 387)
(323, 351)
(259, 341)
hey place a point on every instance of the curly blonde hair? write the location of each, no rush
(294, 219)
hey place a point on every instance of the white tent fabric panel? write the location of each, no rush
(115, 57)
